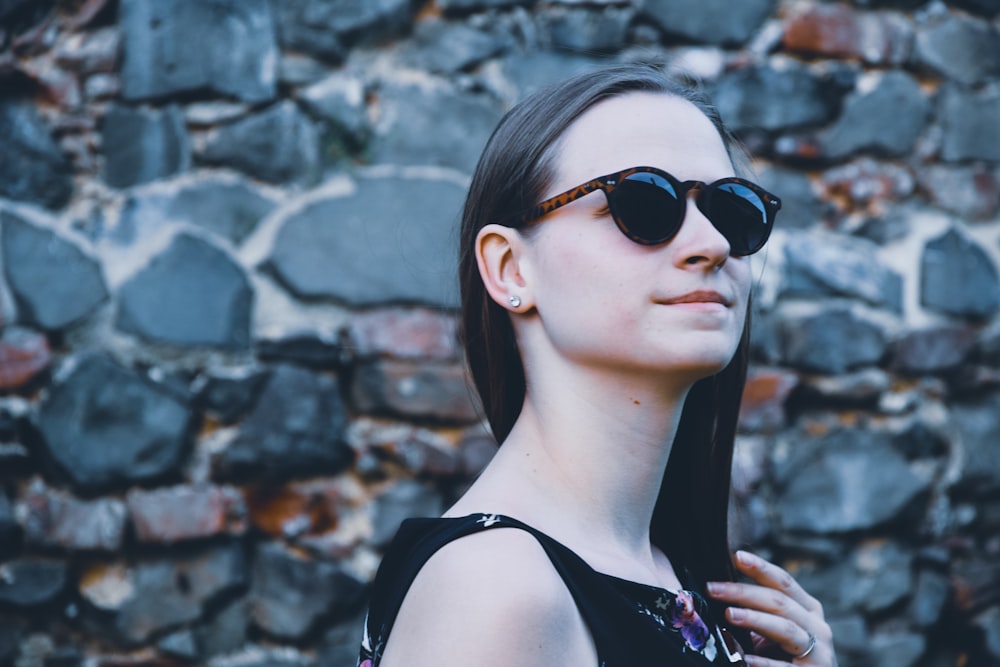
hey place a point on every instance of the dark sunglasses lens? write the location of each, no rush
(647, 206)
(739, 214)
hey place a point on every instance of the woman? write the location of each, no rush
(605, 294)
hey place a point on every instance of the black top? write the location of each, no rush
(633, 624)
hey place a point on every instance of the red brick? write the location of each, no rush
(763, 406)
(404, 333)
(843, 32)
(185, 512)
(23, 355)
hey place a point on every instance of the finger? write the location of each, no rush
(761, 598)
(791, 637)
(768, 574)
(758, 661)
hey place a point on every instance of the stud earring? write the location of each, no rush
(514, 301)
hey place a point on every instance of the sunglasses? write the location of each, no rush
(648, 205)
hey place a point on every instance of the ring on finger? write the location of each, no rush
(809, 648)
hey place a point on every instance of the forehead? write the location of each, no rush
(641, 129)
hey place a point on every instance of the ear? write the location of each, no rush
(500, 254)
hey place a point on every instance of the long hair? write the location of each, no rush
(690, 519)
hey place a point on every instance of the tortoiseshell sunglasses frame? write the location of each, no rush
(609, 182)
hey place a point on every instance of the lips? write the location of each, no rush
(698, 296)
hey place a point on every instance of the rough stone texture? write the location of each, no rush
(866, 184)
(831, 342)
(587, 30)
(24, 355)
(851, 482)
(225, 631)
(933, 350)
(389, 241)
(169, 515)
(989, 623)
(972, 192)
(229, 208)
(469, 5)
(957, 277)
(53, 519)
(142, 145)
(929, 598)
(31, 582)
(298, 508)
(227, 397)
(104, 425)
(712, 21)
(446, 47)
(32, 168)
(168, 593)
(841, 31)
(191, 294)
(54, 283)
(763, 406)
(959, 47)
(412, 131)
(979, 431)
(404, 333)
(968, 122)
(527, 72)
(304, 348)
(277, 145)
(185, 47)
(9, 530)
(744, 97)
(820, 264)
(401, 501)
(899, 649)
(801, 206)
(289, 593)
(295, 428)
(339, 100)
(428, 391)
(885, 117)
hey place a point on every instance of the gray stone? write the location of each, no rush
(402, 500)
(224, 632)
(528, 72)
(222, 46)
(142, 145)
(958, 278)
(851, 482)
(54, 283)
(801, 207)
(929, 598)
(833, 341)
(933, 350)
(712, 21)
(322, 28)
(32, 168)
(304, 348)
(228, 397)
(54, 519)
(229, 208)
(437, 126)
(339, 645)
(180, 644)
(297, 427)
(279, 144)
(969, 123)
(745, 98)
(850, 640)
(587, 30)
(885, 119)
(897, 649)
(192, 295)
(448, 47)
(918, 440)
(11, 633)
(984, 7)
(959, 47)
(989, 623)
(32, 582)
(167, 593)
(19, 15)
(339, 100)
(299, 70)
(104, 425)
(825, 264)
(972, 191)
(289, 593)
(858, 388)
(390, 241)
(978, 435)
(9, 530)
(423, 390)
(988, 347)
(479, 5)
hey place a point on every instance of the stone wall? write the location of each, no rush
(227, 360)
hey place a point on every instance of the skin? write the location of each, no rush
(609, 360)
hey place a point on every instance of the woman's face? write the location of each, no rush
(605, 300)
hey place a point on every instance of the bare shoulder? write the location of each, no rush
(492, 598)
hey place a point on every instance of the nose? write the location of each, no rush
(698, 244)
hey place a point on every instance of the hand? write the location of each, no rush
(786, 623)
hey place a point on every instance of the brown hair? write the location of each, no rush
(690, 520)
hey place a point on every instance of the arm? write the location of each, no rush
(493, 600)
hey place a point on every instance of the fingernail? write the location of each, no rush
(736, 614)
(744, 557)
(713, 588)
